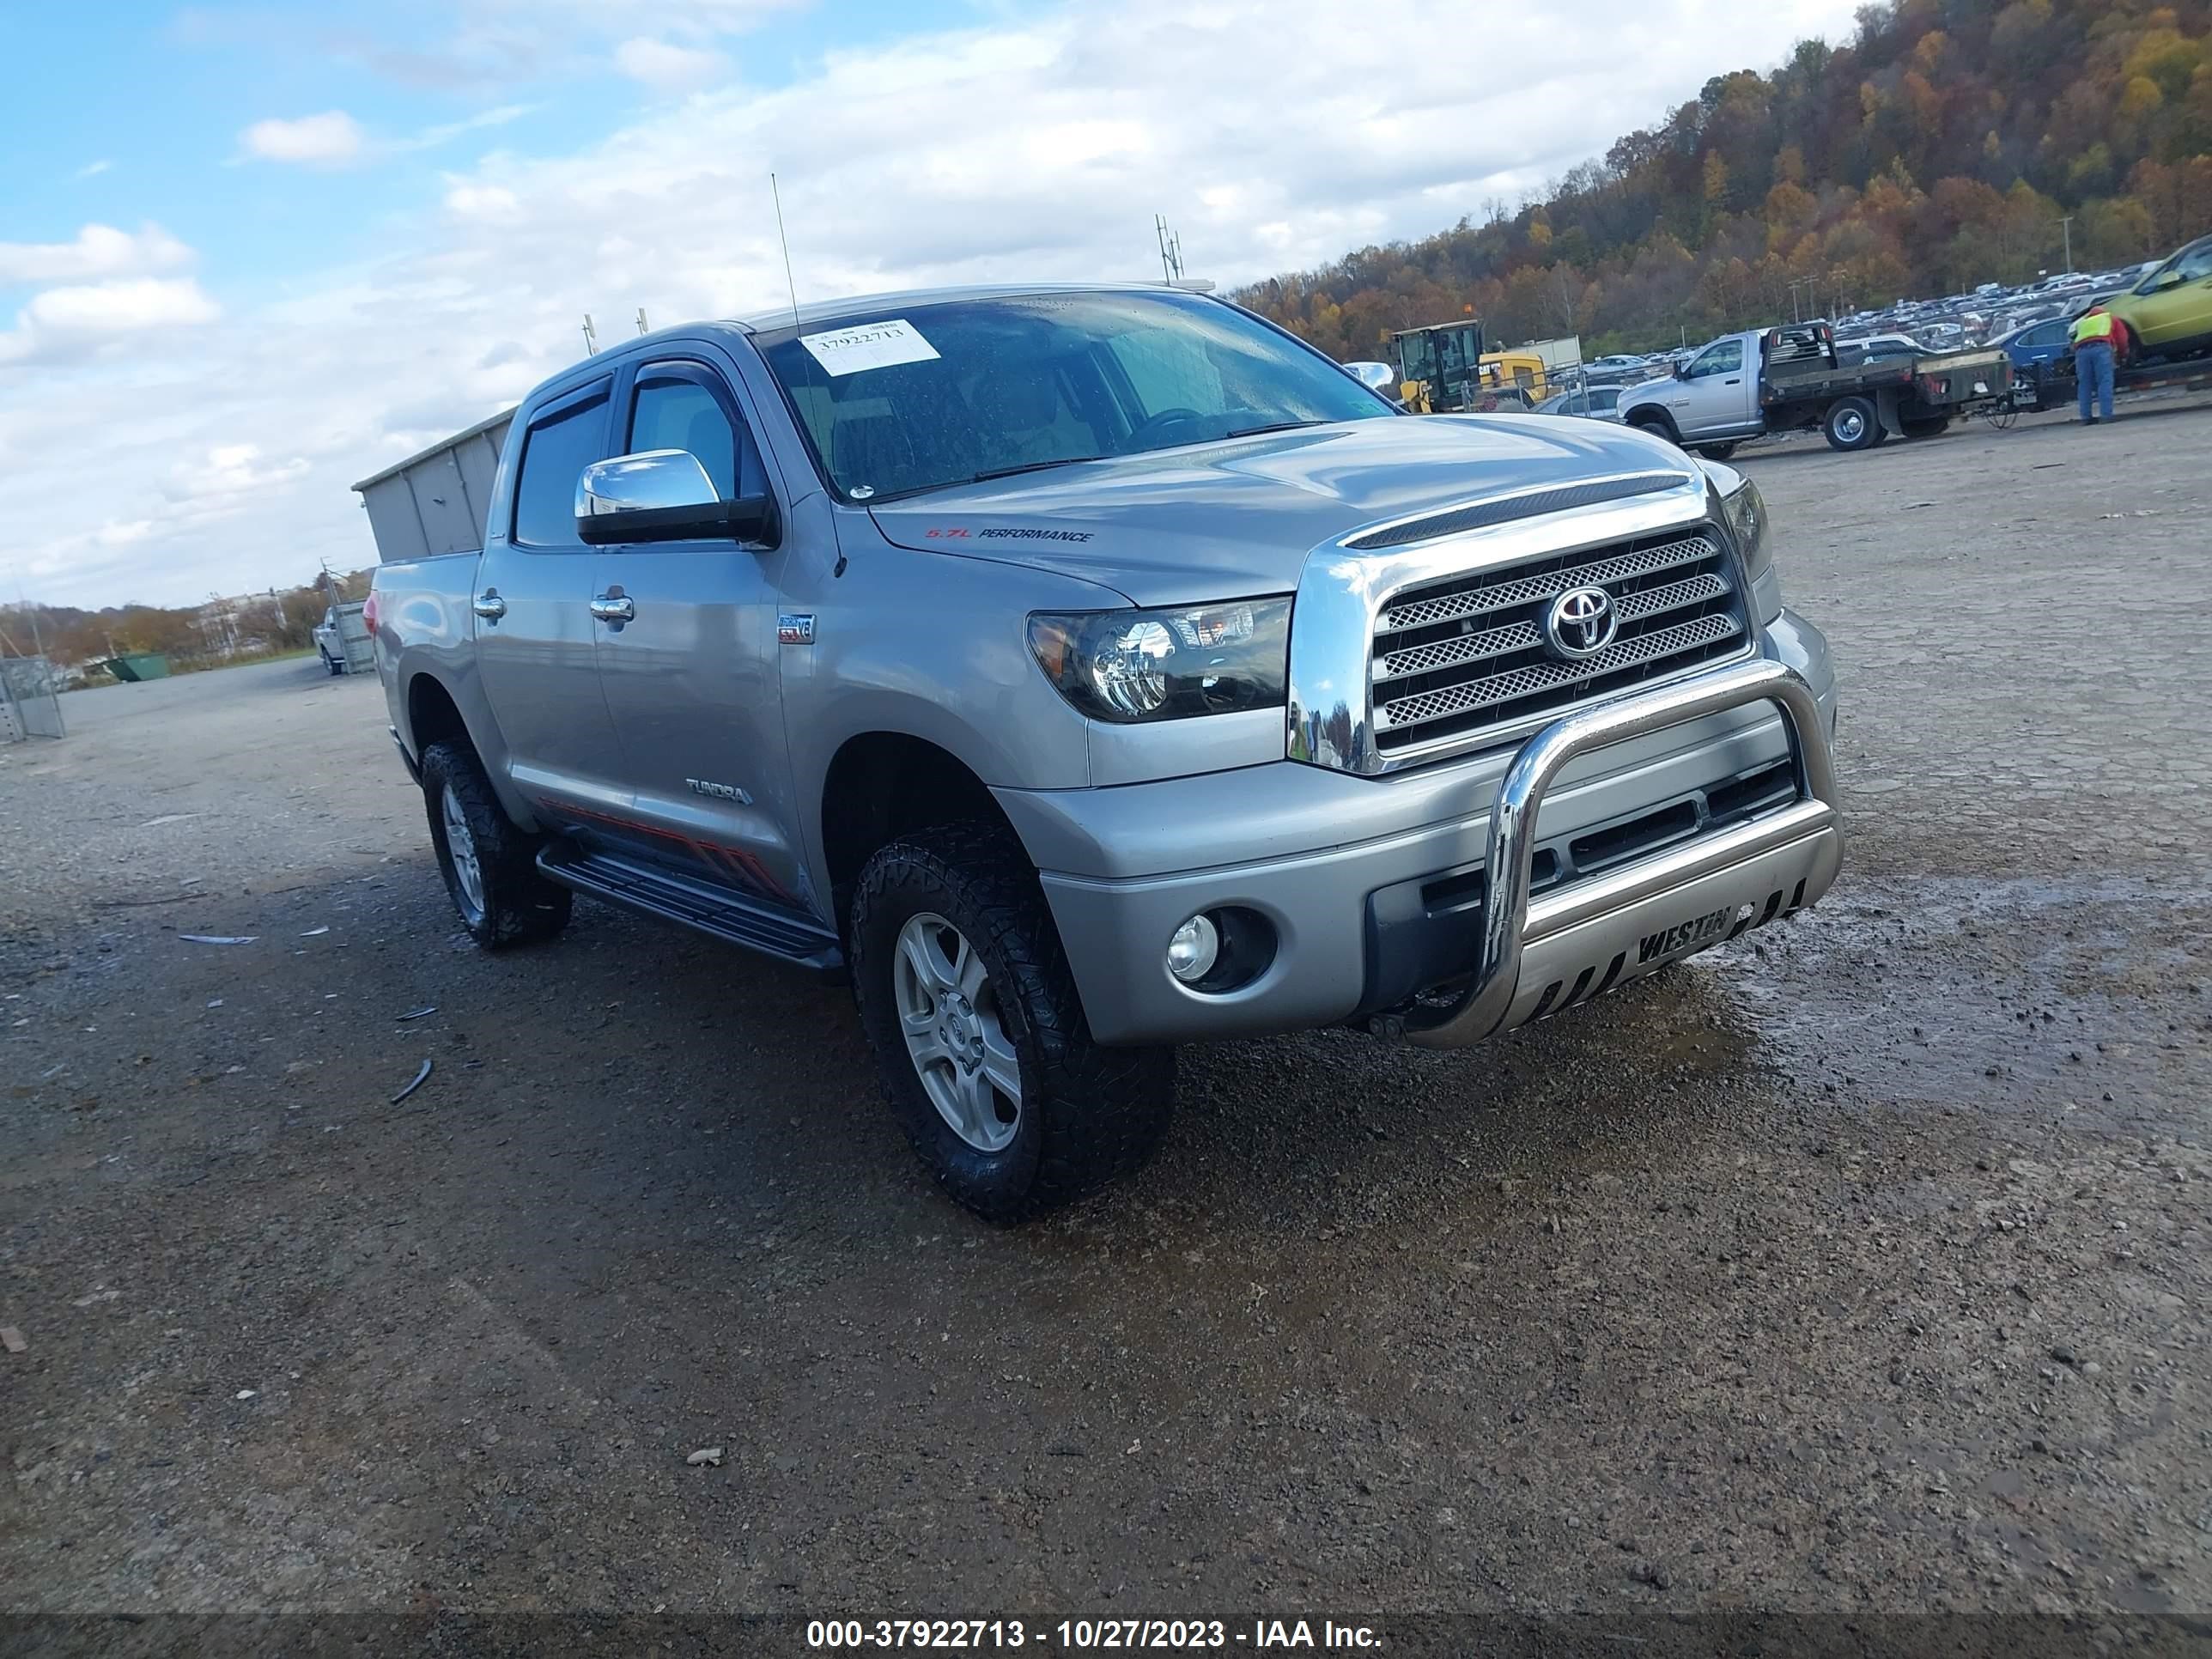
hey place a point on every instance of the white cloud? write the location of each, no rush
(98, 251)
(668, 68)
(1266, 155)
(92, 169)
(330, 139)
(63, 324)
(227, 472)
(334, 138)
(488, 205)
(446, 132)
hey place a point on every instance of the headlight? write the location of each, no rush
(1754, 537)
(1130, 666)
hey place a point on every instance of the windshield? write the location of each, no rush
(936, 393)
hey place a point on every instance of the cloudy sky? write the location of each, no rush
(254, 253)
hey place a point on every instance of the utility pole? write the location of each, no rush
(2067, 226)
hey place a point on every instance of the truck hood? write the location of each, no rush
(1236, 520)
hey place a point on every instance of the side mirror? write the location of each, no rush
(2163, 280)
(1681, 371)
(664, 495)
(1376, 377)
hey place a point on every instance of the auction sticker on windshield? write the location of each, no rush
(869, 345)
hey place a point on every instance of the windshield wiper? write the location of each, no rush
(1031, 466)
(1277, 426)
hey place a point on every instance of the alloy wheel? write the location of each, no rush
(949, 1013)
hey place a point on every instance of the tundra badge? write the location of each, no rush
(795, 628)
(718, 791)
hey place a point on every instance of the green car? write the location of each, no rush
(2169, 313)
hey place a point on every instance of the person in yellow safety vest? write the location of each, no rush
(2092, 362)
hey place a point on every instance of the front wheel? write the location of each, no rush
(1851, 423)
(1716, 452)
(979, 1033)
(335, 668)
(491, 866)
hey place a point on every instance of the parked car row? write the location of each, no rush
(2164, 307)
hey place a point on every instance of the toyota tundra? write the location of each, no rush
(1087, 671)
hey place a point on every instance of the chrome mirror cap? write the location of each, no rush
(651, 481)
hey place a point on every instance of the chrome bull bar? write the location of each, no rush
(1801, 841)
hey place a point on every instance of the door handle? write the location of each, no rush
(614, 607)
(1732, 382)
(489, 605)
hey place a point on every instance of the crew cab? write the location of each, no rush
(1083, 672)
(1790, 378)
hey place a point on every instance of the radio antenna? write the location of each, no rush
(786, 240)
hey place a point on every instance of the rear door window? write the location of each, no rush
(555, 453)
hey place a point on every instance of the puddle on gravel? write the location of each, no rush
(2085, 995)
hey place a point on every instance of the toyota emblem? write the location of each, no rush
(1582, 622)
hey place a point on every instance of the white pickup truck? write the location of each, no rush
(342, 640)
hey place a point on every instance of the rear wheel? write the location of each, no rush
(1851, 423)
(491, 866)
(979, 1033)
(1927, 427)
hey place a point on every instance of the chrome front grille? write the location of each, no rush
(1455, 660)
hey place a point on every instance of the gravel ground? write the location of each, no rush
(1855, 1269)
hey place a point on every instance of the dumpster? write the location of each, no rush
(138, 665)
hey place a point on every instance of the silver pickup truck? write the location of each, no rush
(1087, 671)
(1795, 377)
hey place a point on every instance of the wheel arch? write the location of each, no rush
(434, 716)
(1650, 417)
(883, 784)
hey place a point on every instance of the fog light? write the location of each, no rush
(1194, 949)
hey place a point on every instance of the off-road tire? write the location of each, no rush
(1851, 423)
(1089, 1114)
(520, 906)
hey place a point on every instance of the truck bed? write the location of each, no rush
(1937, 384)
(1822, 382)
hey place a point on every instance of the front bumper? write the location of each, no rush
(1377, 888)
(1637, 918)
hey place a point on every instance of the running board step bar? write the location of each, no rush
(694, 904)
